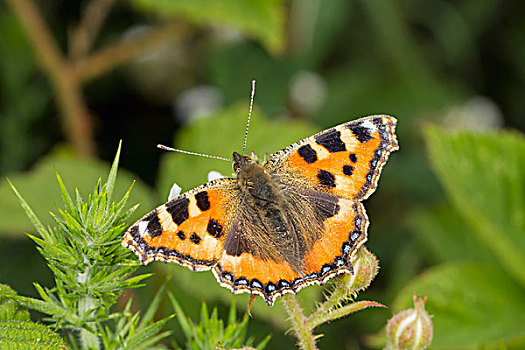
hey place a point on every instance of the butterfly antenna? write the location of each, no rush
(249, 116)
(166, 148)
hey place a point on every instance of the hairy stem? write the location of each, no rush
(324, 310)
(302, 332)
(85, 307)
(88, 340)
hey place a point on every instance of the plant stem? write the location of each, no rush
(67, 74)
(302, 332)
(98, 63)
(323, 311)
(85, 306)
(88, 340)
(82, 36)
(76, 118)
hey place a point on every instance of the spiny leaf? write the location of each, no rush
(29, 212)
(10, 309)
(28, 335)
(139, 340)
(112, 177)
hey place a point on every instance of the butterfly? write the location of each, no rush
(275, 228)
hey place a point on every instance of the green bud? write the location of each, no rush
(410, 329)
(365, 266)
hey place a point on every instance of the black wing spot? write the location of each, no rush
(353, 157)
(361, 133)
(326, 178)
(348, 170)
(178, 210)
(331, 141)
(181, 235)
(154, 227)
(203, 201)
(214, 228)
(195, 238)
(307, 153)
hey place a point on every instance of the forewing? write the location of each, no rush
(345, 160)
(189, 230)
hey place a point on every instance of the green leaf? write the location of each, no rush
(38, 188)
(112, 177)
(484, 176)
(447, 236)
(262, 19)
(211, 332)
(29, 212)
(28, 335)
(147, 336)
(154, 304)
(16, 330)
(473, 305)
(10, 309)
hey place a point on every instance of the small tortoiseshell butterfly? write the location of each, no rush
(273, 229)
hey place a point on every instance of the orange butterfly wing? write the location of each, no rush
(345, 160)
(189, 230)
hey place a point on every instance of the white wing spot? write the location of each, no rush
(143, 228)
(369, 125)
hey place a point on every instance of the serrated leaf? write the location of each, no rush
(473, 305)
(140, 339)
(47, 307)
(10, 309)
(28, 335)
(262, 19)
(484, 176)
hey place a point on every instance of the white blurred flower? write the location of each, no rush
(307, 92)
(197, 103)
(214, 175)
(478, 113)
(174, 192)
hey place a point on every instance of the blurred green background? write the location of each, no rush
(448, 219)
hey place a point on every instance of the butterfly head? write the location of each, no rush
(240, 161)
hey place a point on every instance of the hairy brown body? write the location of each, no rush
(274, 222)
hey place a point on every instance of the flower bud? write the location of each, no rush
(365, 266)
(410, 329)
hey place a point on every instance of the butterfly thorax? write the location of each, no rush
(263, 197)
